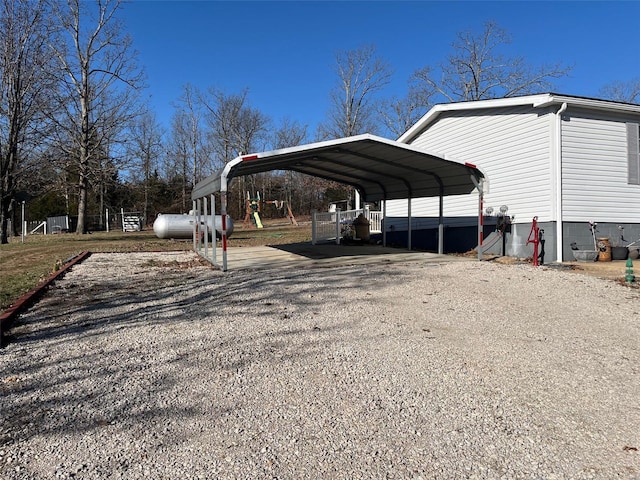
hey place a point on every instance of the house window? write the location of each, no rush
(633, 151)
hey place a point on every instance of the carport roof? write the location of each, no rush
(379, 168)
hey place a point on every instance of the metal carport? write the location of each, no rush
(380, 169)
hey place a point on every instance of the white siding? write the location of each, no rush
(594, 172)
(512, 146)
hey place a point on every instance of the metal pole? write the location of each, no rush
(206, 227)
(214, 235)
(314, 227)
(441, 222)
(223, 213)
(479, 183)
(409, 231)
(195, 226)
(198, 227)
(480, 220)
(24, 223)
(384, 218)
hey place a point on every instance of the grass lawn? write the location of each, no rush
(24, 265)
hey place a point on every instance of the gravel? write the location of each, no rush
(154, 365)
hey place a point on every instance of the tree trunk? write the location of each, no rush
(83, 163)
(103, 189)
(4, 221)
(146, 201)
(5, 207)
(82, 200)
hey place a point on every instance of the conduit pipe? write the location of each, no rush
(558, 175)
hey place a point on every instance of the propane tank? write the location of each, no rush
(181, 225)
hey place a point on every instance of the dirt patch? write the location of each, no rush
(175, 264)
(612, 270)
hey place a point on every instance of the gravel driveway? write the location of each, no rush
(153, 365)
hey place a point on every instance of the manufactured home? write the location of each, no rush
(564, 160)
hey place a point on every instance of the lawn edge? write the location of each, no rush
(26, 300)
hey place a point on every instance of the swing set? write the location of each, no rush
(253, 210)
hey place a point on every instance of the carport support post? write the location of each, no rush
(409, 231)
(480, 218)
(198, 221)
(193, 213)
(214, 236)
(479, 183)
(384, 227)
(223, 214)
(441, 224)
(314, 227)
(206, 227)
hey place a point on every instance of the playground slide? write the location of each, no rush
(256, 217)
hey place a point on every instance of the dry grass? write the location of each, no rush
(24, 265)
(276, 232)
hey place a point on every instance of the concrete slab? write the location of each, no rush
(326, 255)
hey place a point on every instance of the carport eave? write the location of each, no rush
(398, 159)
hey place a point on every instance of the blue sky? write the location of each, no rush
(284, 52)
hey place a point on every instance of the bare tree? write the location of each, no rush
(476, 70)
(400, 114)
(223, 113)
(619, 91)
(361, 74)
(24, 89)
(189, 104)
(234, 128)
(146, 149)
(291, 134)
(252, 133)
(99, 85)
(180, 152)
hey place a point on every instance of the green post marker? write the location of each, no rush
(629, 277)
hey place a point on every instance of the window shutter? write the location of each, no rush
(634, 156)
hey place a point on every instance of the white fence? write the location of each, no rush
(327, 226)
(131, 221)
(375, 220)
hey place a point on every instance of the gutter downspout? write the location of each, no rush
(558, 186)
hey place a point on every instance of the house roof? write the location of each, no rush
(536, 101)
(379, 168)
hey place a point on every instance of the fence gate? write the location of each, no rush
(327, 226)
(131, 221)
